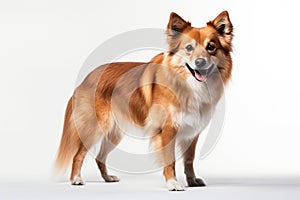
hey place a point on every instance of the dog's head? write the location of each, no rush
(201, 50)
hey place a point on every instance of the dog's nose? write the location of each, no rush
(200, 62)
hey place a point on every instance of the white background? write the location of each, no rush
(44, 43)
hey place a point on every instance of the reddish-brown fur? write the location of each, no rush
(161, 81)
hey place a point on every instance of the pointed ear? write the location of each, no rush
(222, 23)
(224, 27)
(176, 25)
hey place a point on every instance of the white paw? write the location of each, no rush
(77, 181)
(173, 185)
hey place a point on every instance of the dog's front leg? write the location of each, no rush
(188, 158)
(168, 136)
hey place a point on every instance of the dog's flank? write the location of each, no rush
(186, 82)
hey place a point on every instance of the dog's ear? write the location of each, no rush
(176, 24)
(175, 27)
(222, 23)
(224, 27)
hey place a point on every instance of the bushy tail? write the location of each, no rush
(70, 141)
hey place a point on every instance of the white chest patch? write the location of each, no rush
(192, 121)
(191, 124)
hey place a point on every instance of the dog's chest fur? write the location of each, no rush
(192, 119)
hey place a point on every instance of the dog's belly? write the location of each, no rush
(188, 124)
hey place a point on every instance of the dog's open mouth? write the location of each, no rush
(200, 74)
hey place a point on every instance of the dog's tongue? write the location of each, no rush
(200, 77)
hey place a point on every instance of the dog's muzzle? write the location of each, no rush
(202, 69)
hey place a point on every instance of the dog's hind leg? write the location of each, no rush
(76, 167)
(109, 142)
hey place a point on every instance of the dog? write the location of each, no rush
(171, 98)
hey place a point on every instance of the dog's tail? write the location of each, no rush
(70, 141)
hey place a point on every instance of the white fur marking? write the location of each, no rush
(192, 121)
(77, 181)
(173, 185)
(177, 60)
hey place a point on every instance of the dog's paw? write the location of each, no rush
(111, 178)
(77, 181)
(173, 185)
(195, 182)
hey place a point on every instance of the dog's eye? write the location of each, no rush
(189, 48)
(210, 47)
